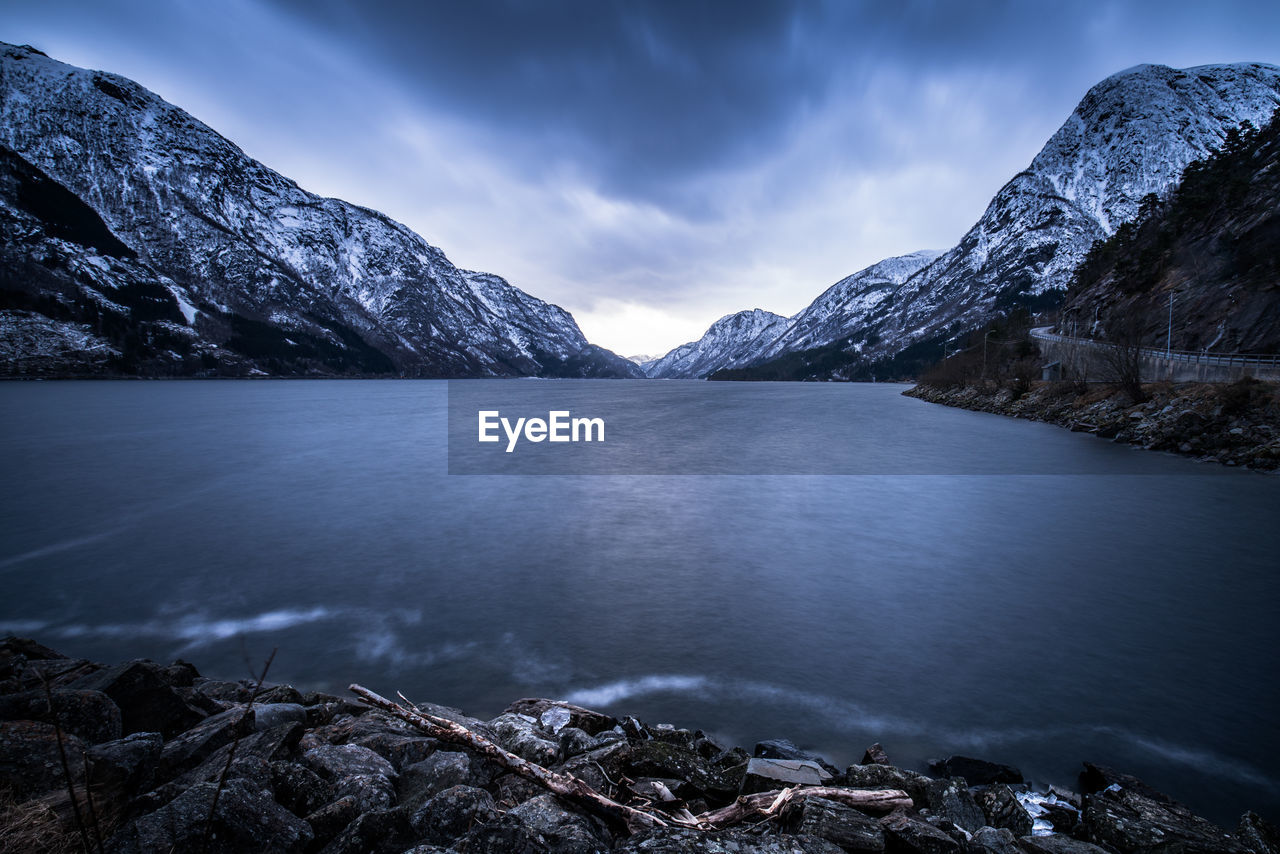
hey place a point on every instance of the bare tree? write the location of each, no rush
(1122, 352)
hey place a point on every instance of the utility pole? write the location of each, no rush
(1168, 341)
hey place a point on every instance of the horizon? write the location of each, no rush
(650, 170)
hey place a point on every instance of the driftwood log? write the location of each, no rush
(763, 804)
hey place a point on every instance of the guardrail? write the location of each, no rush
(1191, 357)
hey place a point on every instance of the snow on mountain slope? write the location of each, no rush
(843, 307)
(1131, 135)
(731, 341)
(240, 240)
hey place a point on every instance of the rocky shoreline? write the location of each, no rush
(144, 757)
(1235, 424)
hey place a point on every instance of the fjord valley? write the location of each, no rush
(836, 564)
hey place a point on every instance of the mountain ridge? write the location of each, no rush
(244, 246)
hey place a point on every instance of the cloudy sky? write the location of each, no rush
(650, 166)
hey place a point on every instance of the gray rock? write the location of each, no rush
(713, 780)
(335, 761)
(1131, 822)
(1258, 835)
(299, 789)
(332, 818)
(146, 702)
(91, 715)
(271, 715)
(781, 748)
(574, 741)
(564, 829)
(976, 772)
(512, 789)
(875, 755)
(439, 771)
(673, 841)
(522, 735)
(884, 777)
(911, 836)
(1002, 809)
(378, 832)
(126, 766)
(29, 758)
(246, 819)
(400, 750)
(452, 813)
(992, 840)
(592, 723)
(190, 748)
(847, 827)
(1057, 844)
(951, 801)
(369, 791)
(764, 775)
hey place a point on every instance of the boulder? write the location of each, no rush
(126, 766)
(1001, 808)
(400, 750)
(448, 815)
(190, 748)
(574, 741)
(992, 840)
(91, 715)
(764, 775)
(147, 703)
(562, 828)
(299, 789)
(1095, 778)
(335, 761)
(951, 801)
(976, 772)
(523, 736)
(716, 781)
(909, 835)
(552, 712)
(378, 832)
(1131, 822)
(875, 755)
(246, 819)
(677, 841)
(1055, 843)
(852, 830)
(442, 770)
(781, 748)
(369, 791)
(884, 777)
(1257, 834)
(270, 715)
(30, 760)
(332, 818)
(512, 789)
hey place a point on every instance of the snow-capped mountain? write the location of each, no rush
(1131, 135)
(843, 308)
(255, 271)
(731, 341)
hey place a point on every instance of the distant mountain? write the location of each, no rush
(1211, 249)
(1131, 135)
(139, 241)
(733, 340)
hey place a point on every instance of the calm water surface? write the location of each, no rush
(1037, 619)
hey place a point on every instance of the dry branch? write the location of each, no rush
(564, 785)
(765, 804)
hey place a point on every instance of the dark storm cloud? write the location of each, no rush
(642, 94)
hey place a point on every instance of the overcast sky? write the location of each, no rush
(650, 166)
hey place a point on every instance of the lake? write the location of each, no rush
(831, 563)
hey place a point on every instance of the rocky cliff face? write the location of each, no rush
(1131, 135)
(260, 274)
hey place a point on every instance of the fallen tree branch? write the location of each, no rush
(564, 785)
(767, 805)
(770, 804)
